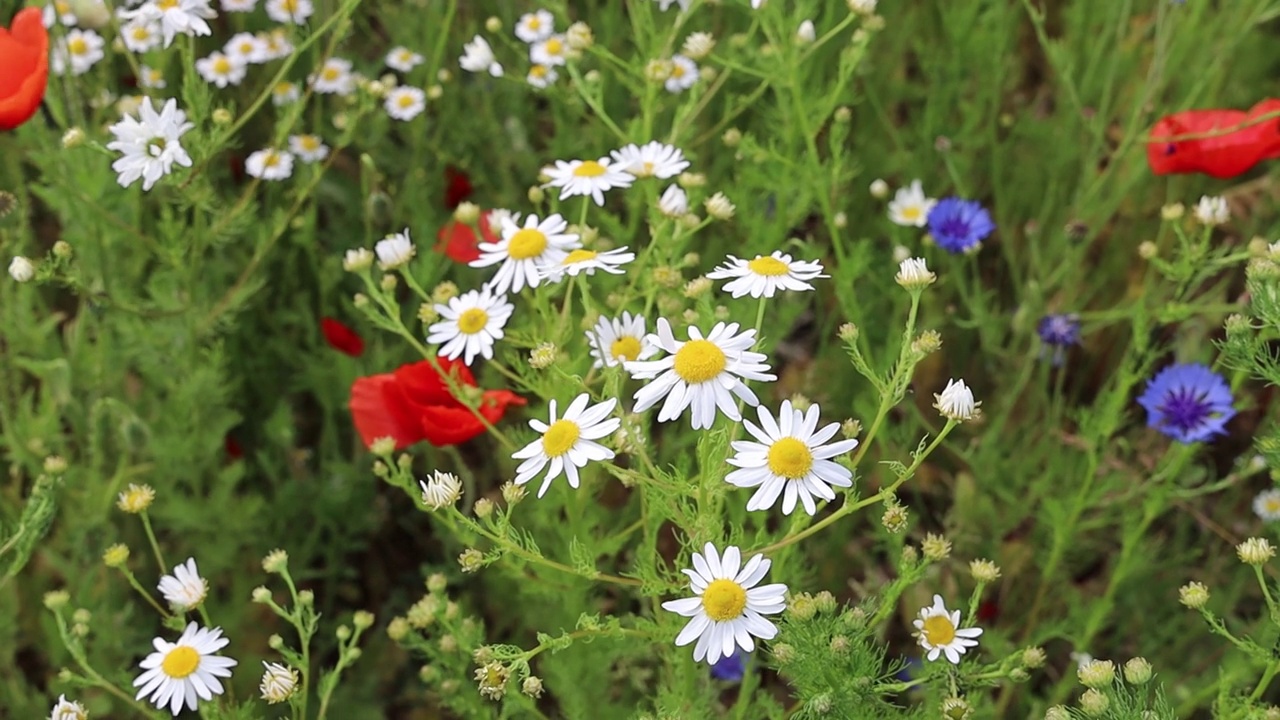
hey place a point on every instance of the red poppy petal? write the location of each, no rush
(458, 242)
(1224, 153)
(379, 409)
(24, 57)
(442, 425)
(423, 385)
(341, 338)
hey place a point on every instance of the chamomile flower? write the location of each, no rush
(791, 459)
(278, 682)
(440, 490)
(176, 17)
(939, 632)
(653, 159)
(582, 261)
(674, 202)
(150, 143)
(552, 51)
(729, 604)
(403, 59)
(276, 43)
(471, 323)
(151, 78)
(541, 76)
(58, 11)
(239, 6)
(394, 250)
(620, 341)
(536, 26)
(956, 402)
(249, 48)
(567, 443)
(701, 374)
(285, 93)
(334, 77)
(141, 35)
(909, 206)
(1267, 505)
(478, 57)
(684, 73)
(77, 52)
(269, 164)
(523, 249)
(588, 177)
(184, 589)
(179, 672)
(290, 11)
(308, 148)
(1212, 210)
(405, 103)
(67, 710)
(766, 274)
(221, 70)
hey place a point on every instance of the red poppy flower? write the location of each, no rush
(457, 187)
(232, 447)
(1220, 143)
(459, 241)
(341, 338)
(24, 67)
(413, 404)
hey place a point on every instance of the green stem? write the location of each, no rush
(155, 546)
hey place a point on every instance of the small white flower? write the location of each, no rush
(478, 57)
(68, 710)
(176, 17)
(653, 159)
(588, 177)
(278, 682)
(285, 93)
(141, 35)
(270, 164)
(674, 202)
(77, 52)
(334, 77)
(221, 70)
(403, 59)
(536, 26)
(361, 258)
(58, 11)
(913, 273)
(619, 341)
(239, 6)
(806, 33)
(277, 44)
(684, 73)
(701, 374)
(249, 48)
(290, 11)
(150, 144)
(441, 490)
(757, 4)
(471, 324)
(586, 262)
(541, 76)
(151, 78)
(177, 673)
(523, 250)
(308, 148)
(664, 4)
(1266, 505)
(1212, 211)
(698, 45)
(21, 269)
(394, 250)
(879, 189)
(567, 443)
(552, 51)
(909, 206)
(184, 589)
(862, 7)
(405, 103)
(767, 274)
(939, 632)
(956, 401)
(792, 455)
(729, 604)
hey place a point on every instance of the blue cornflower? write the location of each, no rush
(732, 667)
(1059, 332)
(1188, 402)
(958, 225)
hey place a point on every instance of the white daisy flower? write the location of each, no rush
(956, 402)
(278, 682)
(269, 164)
(1267, 505)
(1212, 211)
(58, 11)
(403, 59)
(909, 206)
(620, 341)
(653, 159)
(552, 51)
(240, 6)
(21, 269)
(541, 76)
(767, 274)
(221, 70)
(285, 93)
(77, 52)
(249, 48)
(179, 672)
(588, 177)
(523, 249)
(184, 589)
(588, 261)
(334, 77)
(567, 443)
(308, 148)
(394, 250)
(914, 273)
(277, 44)
(290, 11)
(151, 78)
(701, 374)
(664, 4)
(150, 144)
(684, 73)
(68, 710)
(141, 35)
(729, 604)
(939, 632)
(792, 455)
(536, 26)
(176, 17)
(440, 490)
(478, 57)
(405, 103)
(471, 323)
(674, 202)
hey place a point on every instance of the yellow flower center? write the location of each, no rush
(677, 71)
(77, 46)
(168, 4)
(140, 32)
(290, 6)
(63, 8)
(647, 169)
(1272, 505)
(911, 212)
(723, 600)
(527, 243)
(560, 437)
(625, 348)
(938, 630)
(699, 361)
(221, 65)
(473, 321)
(330, 74)
(765, 265)
(580, 255)
(180, 662)
(538, 71)
(284, 88)
(554, 46)
(405, 101)
(309, 142)
(590, 168)
(271, 160)
(534, 23)
(790, 458)
(246, 48)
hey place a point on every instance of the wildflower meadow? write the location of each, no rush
(640, 359)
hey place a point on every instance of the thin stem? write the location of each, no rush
(133, 581)
(155, 546)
